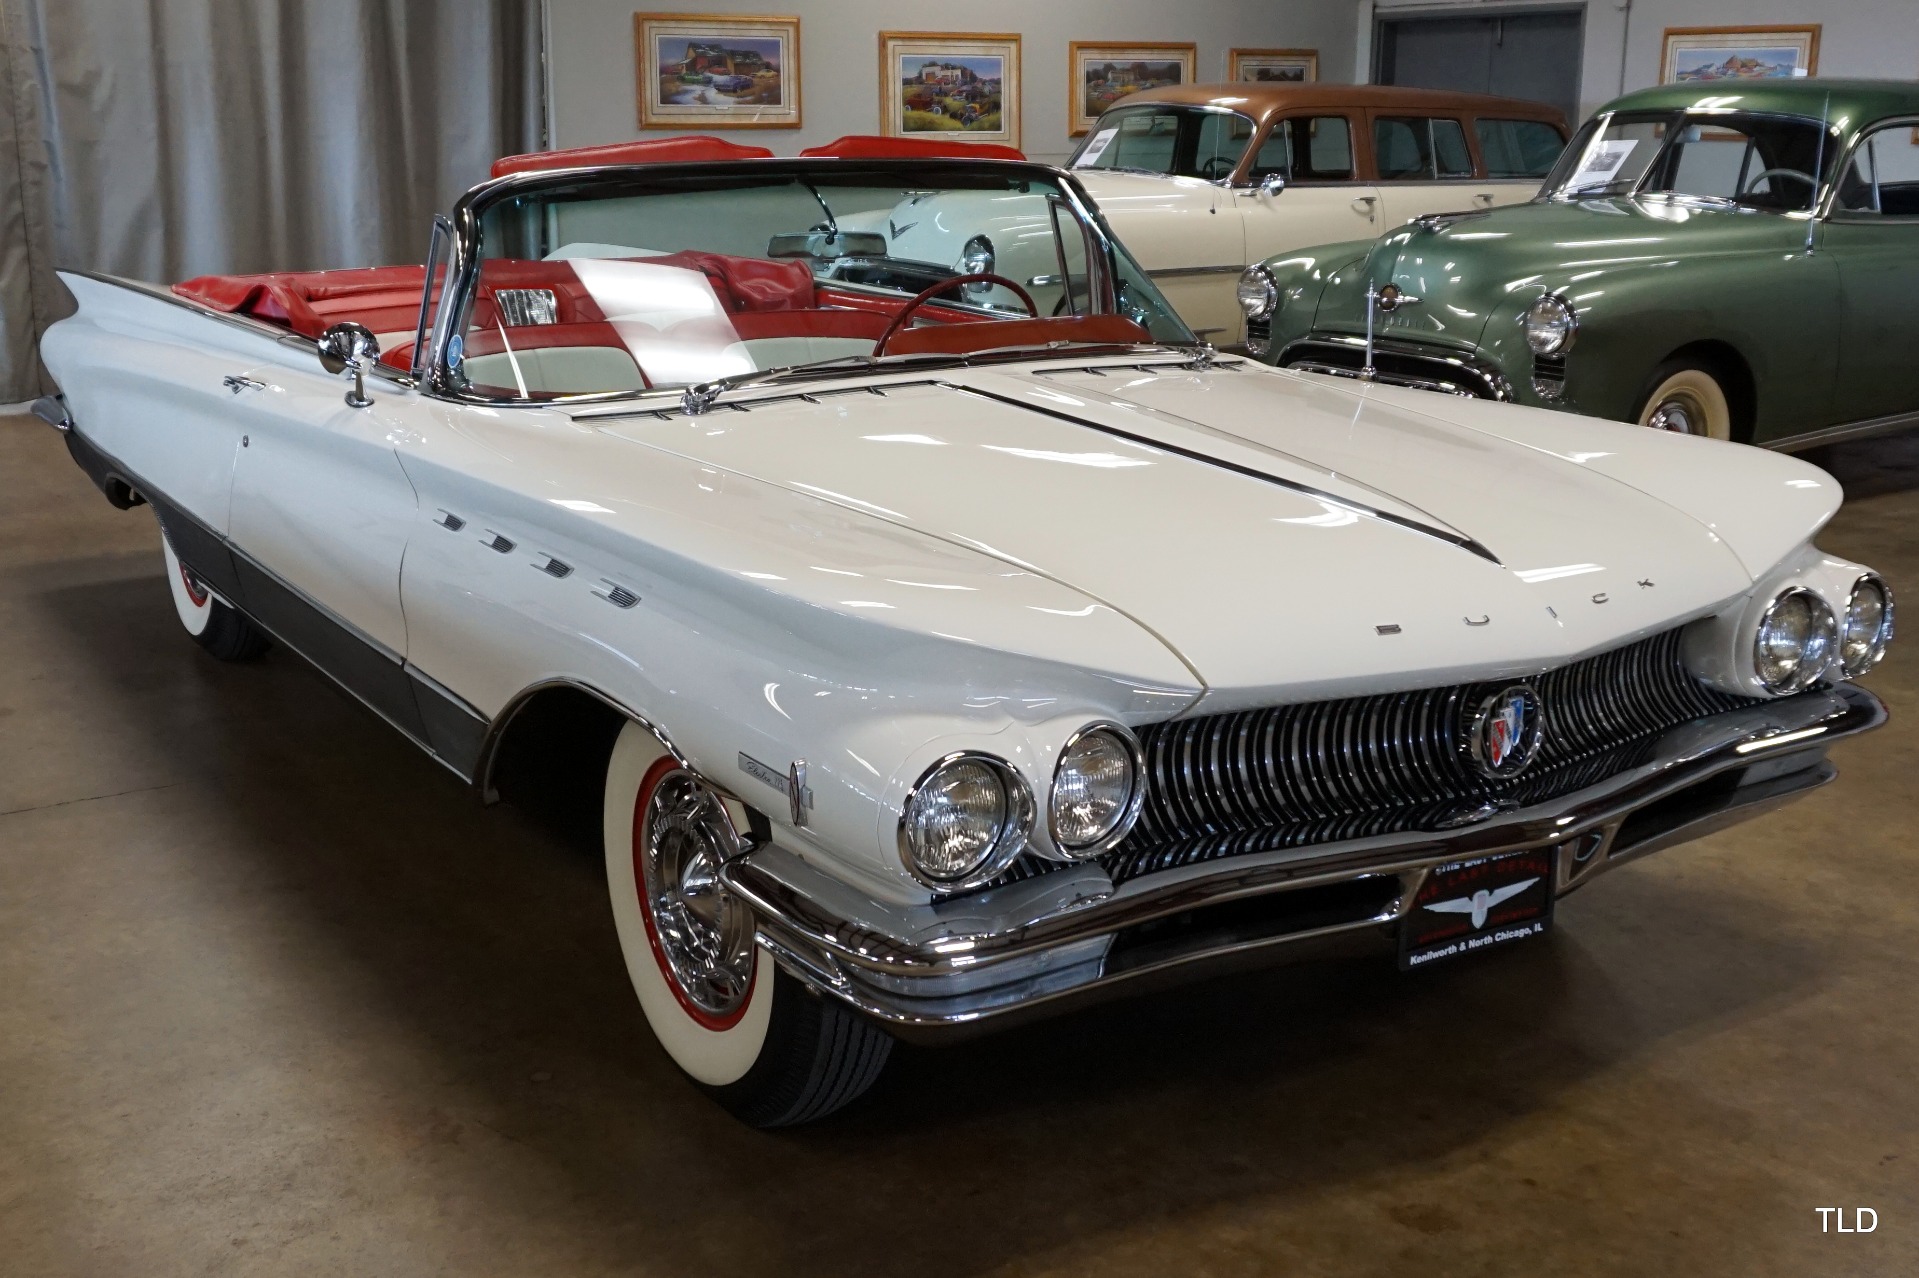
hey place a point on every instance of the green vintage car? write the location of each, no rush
(1736, 259)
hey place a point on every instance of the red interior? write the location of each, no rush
(687, 150)
(859, 146)
(764, 299)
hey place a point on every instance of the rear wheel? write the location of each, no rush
(1686, 398)
(214, 624)
(759, 1042)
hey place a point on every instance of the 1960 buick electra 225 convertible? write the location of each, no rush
(1712, 259)
(924, 667)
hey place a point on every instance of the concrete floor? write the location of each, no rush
(277, 996)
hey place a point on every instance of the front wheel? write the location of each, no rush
(1687, 399)
(213, 623)
(759, 1042)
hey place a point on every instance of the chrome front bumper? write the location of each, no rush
(1048, 943)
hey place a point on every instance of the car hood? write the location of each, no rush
(1472, 269)
(1287, 538)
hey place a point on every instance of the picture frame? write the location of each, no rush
(1100, 73)
(1701, 55)
(717, 70)
(1272, 66)
(957, 86)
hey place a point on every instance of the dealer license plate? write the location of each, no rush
(1469, 906)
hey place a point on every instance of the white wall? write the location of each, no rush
(590, 62)
(1872, 38)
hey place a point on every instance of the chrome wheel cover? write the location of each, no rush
(1680, 414)
(703, 933)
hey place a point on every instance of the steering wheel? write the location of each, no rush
(926, 295)
(1763, 174)
(1219, 166)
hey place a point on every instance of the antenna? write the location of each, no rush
(1818, 172)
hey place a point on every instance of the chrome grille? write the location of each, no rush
(1290, 776)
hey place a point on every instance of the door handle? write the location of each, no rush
(1364, 203)
(1484, 197)
(237, 383)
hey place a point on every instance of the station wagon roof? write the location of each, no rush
(1853, 102)
(1262, 101)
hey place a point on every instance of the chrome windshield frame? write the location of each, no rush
(465, 256)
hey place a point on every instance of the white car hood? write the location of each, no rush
(1290, 539)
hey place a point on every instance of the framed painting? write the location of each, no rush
(1272, 66)
(1698, 55)
(717, 71)
(1098, 75)
(959, 85)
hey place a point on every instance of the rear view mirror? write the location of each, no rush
(828, 244)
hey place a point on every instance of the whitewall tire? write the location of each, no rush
(1688, 400)
(754, 1038)
(213, 623)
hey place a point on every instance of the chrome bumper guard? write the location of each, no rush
(1042, 945)
(1398, 363)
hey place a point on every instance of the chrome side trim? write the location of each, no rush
(1849, 430)
(1177, 272)
(52, 409)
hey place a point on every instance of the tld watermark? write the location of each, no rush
(1864, 1220)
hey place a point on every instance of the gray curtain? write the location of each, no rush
(162, 139)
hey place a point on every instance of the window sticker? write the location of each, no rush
(1601, 163)
(1095, 148)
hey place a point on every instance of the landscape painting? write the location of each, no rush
(1695, 55)
(963, 86)
(714, 71)
(1272, 66)
(1102, 74)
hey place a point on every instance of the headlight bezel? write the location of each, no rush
(1557, 318)
(1258, 275)
(978, 257)
(1883, 633)
(1128, 812)
(1806, 673)
(1015, 828)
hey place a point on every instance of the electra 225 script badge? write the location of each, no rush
(1468, 906)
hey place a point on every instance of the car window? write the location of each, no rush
(1518, 148)
(1609, 156)
(1316, 148)
(1174, 140)
(1412, 149)
(1883, 178)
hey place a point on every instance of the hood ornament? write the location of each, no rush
(1387, 300)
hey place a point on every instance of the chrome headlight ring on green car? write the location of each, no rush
(1259, 299)
(1551, 324)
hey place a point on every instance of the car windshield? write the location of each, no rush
(1770, 162)
(620, 283)
(1174, 141)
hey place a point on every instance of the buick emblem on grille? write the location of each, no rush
(1505, 733)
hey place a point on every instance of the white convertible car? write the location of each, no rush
(925, 666)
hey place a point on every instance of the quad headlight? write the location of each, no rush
(1258, 295)
(1868, 626)
(1794, 642)
(1550, 325)
(967, 817)
(1097, 790)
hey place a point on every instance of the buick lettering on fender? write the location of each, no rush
(884, 630)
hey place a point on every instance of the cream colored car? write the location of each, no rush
(1199, 180)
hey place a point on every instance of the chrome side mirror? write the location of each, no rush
(347, 348)
(1272, 184)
